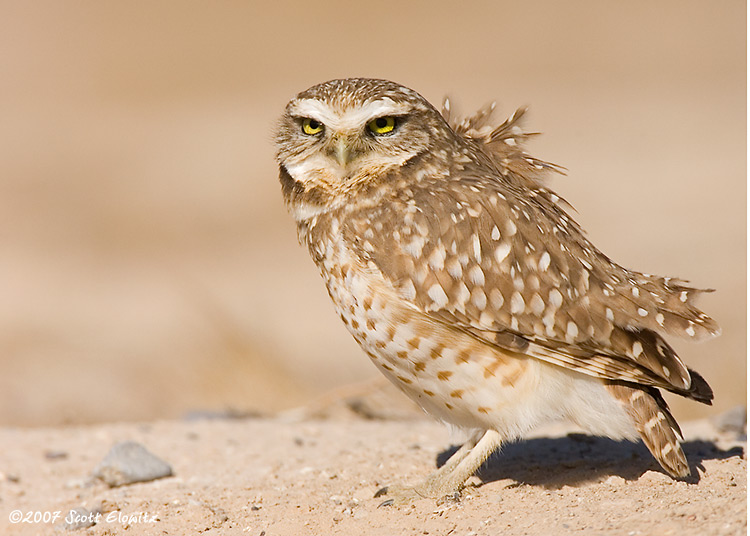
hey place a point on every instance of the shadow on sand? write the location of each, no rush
(577, 458)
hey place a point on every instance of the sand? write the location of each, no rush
(291, 475)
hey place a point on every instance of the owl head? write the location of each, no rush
(343, 133)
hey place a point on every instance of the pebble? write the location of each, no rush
(732, 421)
(615, 480)
(129, 462)
(9, 477)
(55, 454)
(81, 518)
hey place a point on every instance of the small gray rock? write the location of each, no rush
(732, 421)
(81, 518)
(55, 454)
(129, 462)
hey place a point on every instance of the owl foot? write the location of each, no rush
(447, 483)
(404, 495)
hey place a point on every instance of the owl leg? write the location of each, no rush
(446, 468)
(451, 477)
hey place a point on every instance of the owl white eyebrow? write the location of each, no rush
(350, 119)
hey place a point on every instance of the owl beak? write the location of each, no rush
(342, 152)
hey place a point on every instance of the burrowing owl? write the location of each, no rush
(468, 284)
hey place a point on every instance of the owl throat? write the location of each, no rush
(319, 192)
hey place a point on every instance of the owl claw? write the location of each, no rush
(399, 495)
(451, 498)
(402, 495)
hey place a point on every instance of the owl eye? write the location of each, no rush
(311, 126)
(382, 125)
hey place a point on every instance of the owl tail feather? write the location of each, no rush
(699, 389)
(657, 427)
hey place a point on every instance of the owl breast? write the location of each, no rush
(450, 374)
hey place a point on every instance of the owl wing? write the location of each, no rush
(510, 267)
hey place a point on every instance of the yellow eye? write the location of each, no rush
(311, 126)
(382, 125)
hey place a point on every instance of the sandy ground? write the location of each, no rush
(292, 476)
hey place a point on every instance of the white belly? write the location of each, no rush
(461, 380)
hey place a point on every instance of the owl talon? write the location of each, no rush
(403, 495)
(400, 495)
(451, 498)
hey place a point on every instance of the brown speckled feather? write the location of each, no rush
(506, 266)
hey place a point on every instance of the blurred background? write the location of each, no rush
(148, 267)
